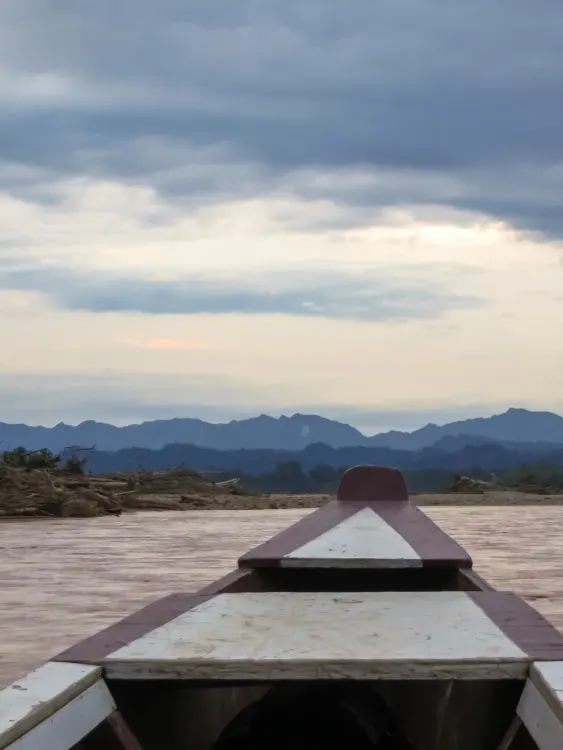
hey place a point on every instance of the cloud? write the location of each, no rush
(166, 344)
(433, 103)
(260, 187)
(324, 294)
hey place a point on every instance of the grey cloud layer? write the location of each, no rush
(314, 294)
(227, 97)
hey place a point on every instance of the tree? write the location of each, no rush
(20, 458)
(288, 476)
(324, 478)
(75, 465)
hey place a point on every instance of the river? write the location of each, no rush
(63, 580)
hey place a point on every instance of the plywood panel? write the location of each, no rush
(412, 635)
(40, 694)
(363, 540)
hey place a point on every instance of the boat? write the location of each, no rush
(364, 625)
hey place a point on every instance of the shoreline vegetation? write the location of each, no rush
(40, 484)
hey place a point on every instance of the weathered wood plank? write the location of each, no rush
(363, 540)
(364, 635)
(548, 678)
(73, 722)
(41, 693)
(539, 719)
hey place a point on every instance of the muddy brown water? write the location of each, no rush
(62, 580)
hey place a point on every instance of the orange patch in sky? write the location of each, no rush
(170, 344)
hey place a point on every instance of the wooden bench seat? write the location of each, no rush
(327, 635)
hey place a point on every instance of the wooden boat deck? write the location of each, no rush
(64, 580)
(358, 535)
(325, 635)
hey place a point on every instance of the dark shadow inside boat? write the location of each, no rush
(302, 717)
(386, 715)
(371, 579)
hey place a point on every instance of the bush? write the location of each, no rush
(20, 458)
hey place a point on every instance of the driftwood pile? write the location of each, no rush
(527, 484)
(56, 493)
(468, 485)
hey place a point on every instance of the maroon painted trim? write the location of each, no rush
(237, 581)
(122, 732)
(385, 491)
(323, 519)
(97, 647)
(513, 732)
(520, 622)
(94, 649)
(373, 484)
(469, 580)
(434, 547)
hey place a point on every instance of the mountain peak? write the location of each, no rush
(513, 426)
(285, 432)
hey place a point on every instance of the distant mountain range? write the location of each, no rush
(281, 433)
(517, 430)
(255, 446)
(488, 457)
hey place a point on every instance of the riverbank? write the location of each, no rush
(49, 494)
(294, 502)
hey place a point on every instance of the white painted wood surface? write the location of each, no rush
(548, 678)
(39, 694)
(73, 722)
(364, 538)
(408, 635)
(539, 719)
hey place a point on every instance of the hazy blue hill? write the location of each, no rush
(516, 430)
(515, 425)
(487, 457)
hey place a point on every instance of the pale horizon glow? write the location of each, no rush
(483, 350)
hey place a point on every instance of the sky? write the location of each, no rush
(220, 208)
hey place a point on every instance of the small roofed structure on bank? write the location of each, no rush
(363, 623)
